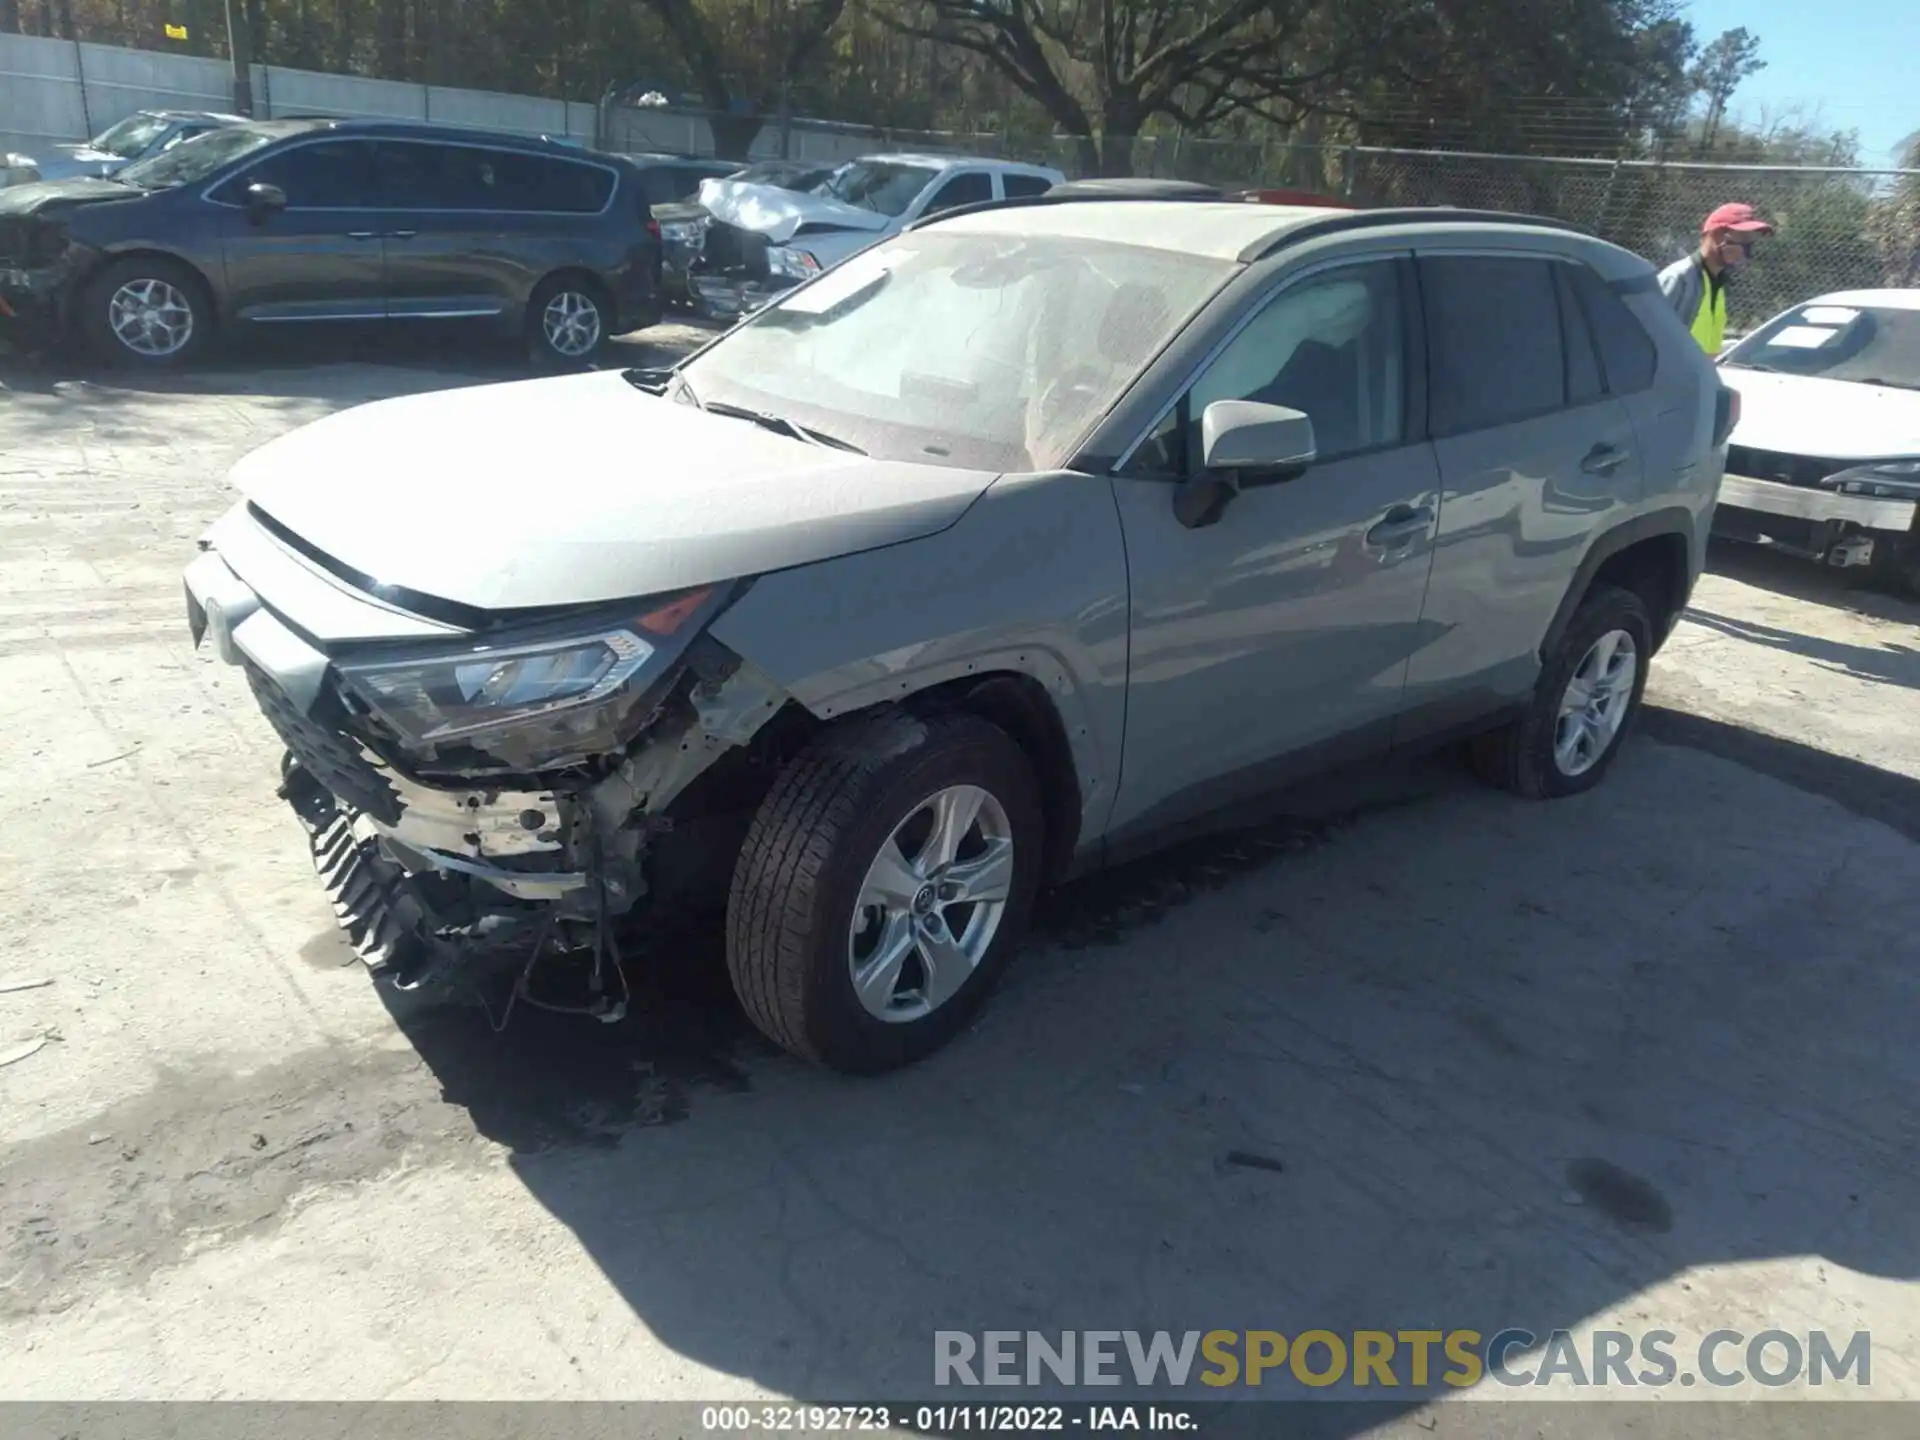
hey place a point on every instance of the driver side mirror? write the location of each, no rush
(1243, 444)
(264, 200)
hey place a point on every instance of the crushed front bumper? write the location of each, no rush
(727, 296)
(427, 872)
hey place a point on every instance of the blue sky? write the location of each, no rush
(1853, 60)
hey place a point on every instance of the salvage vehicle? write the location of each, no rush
(684, 220)
(763, 239)
(143, 134)
(323, 222)
(1825, 460)
(1010, 547)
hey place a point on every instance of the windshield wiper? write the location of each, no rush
(1750, 365)
(1891, 384)
(781, 425)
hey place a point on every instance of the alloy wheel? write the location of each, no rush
(1594, 705)
(151, 318)
(571, 323)
(931, 904)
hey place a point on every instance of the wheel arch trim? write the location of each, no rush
(1675, 521)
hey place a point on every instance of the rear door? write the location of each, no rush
(322, 257)
(960, 187)
(1535, 457)
(473, 229)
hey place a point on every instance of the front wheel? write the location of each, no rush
(146, 311)
(568, 322)
(882, 888)
(1588, 693)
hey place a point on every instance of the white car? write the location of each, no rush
(761, 240)
(1825, 458)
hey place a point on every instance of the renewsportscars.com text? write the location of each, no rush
(1380, 1359)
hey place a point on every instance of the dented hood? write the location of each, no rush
(582, 489)
(778, 214)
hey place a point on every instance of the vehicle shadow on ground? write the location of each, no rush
(1891, 662)
(1439, 1059)
(308, 364)
(1797, 578)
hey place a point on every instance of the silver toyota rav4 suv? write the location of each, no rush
(1016, 544)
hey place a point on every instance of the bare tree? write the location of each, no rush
(1723, 65)
(743, 58)
(1102, 69)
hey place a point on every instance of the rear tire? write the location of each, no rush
(822, 912)
(146, 312)
(1542, 755)
(569, 321)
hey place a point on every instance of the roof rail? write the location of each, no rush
(1022, 202)
(1399, 215)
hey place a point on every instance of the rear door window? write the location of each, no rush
(1017, 186)
(517, 181)
(1493, 337)
(1584, 384)
(969, 188)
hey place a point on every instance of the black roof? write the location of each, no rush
(290, 125)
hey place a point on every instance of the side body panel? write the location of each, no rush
(1031, 580)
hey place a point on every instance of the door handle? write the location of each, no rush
(1400, 526)
(363, 235)
(401, 234)
(1604, 459)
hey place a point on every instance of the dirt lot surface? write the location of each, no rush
(1643, 1059)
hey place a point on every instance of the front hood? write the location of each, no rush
(31, 199)
(678, 212)
(1828, 419)
(777, 213)
(581, 489)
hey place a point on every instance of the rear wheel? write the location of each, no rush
(1587, 695)
(146, 311)
(568, 321)
(884, 885)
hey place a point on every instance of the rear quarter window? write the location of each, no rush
(1628, 356)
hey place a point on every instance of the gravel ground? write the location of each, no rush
(1641, 1059)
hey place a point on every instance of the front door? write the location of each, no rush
(322, 257)
(1277, 638)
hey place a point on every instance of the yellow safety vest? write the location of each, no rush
(1710, 324)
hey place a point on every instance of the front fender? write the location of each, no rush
(1032, 580)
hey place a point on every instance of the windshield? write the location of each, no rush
(784, 174)
(131, 136)
(194, 160)
(878, 185)
(989, 351)
(1871, 344)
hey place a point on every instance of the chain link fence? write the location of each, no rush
(1832, 226)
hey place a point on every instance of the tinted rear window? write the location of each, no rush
(1494, 338)
(425, 176)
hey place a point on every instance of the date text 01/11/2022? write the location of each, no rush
(945, 1419)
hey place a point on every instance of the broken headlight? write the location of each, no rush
(546, 695)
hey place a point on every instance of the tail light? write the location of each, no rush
(1726, 416)
(653, 227)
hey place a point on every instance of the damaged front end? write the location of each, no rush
(487, 796)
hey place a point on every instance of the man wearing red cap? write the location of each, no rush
(1696, 287)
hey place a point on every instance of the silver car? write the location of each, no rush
(143, 134)
(1014, 545)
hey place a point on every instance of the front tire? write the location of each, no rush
(569, 321)
(1583, 705)
(883, 886)
(148, 312)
